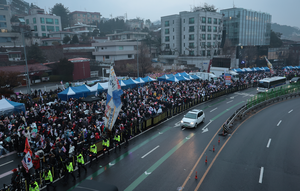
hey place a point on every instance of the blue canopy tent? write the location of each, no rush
(173, 79)
(239, 70)
(130, 83)
(266, 69)
(248, 70)
(123, 85)
(182, 78)
(97, 88)
(74, 92)
(177, 75)
(163, 78)
(195, 77)
(140, 80)
(234, 70)
(8, 107)
(148, 79)
(170, 75)
(184, 74)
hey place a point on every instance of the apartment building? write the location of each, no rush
(127, 36)
(83, 17)
(42, 23)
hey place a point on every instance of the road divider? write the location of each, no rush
(150, 152)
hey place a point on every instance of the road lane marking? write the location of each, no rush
(261, 175)
(213, 109)
(6, 174)
(7, 163)
(291, 111)
(149, 152)
(230, 101)
(278, 123)
(269, 142)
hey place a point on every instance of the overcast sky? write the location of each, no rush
(283, 12)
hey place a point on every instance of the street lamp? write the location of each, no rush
(28, 79)
(137, 56)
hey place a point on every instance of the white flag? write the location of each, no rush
(113, 100)
(27, 162)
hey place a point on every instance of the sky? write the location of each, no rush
(283, 12)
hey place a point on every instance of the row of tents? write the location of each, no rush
(85, 91)
(262, 69)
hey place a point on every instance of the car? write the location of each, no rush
(192, 119)
(295, 80)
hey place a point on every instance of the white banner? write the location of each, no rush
(113, 100)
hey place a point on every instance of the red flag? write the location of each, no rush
(27, 147)
(210, 62)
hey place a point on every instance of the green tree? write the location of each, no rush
(111, 25)
(64, 69)
(206, 7)
(66, 39)
(35, 54)
(96, 33)
(75, 39)
(62, 11)
(275, 40)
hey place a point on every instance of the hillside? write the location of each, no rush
(288, 32)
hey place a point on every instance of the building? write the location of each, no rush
(42, 23)
(18, 7)
(83, 17)
(246, 27)
(81, 29)
(135, 24)
(81, 68)
(191, 38)
(56, 37)
(110, 51)
(127, 36)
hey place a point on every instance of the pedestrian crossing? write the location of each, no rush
(244, 94)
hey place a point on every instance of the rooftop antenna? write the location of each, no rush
(233, 4)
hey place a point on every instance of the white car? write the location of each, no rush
(192, 119)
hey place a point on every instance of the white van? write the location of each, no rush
(192, 119)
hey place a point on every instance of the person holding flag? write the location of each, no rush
(27, 147)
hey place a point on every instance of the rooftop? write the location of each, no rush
(22, 68)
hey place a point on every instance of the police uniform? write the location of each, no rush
(48, 179)
(80, 162)
(70, 170)
(117, 139)
(93, 151)
(34, 186)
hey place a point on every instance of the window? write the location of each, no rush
(202, 44)
(183, 36)
(215, 21)
(56, 28)
(3, 24)
(191, 29)
(191, 20)
(191, 37)
(129, 55)
(56, 22)
(220, 21)
(173, 37)
(208, 44)
(5, 39)
(209, 20)
(183, 28)
(121, 47)
(203, 19)
(215, 37)
(208, 36)
(183, 20)
(2, 18)
(106, 56)
(208, 28)
(203, 28)
(219, 37)
(167, 46)
(191, 45)
(27, 21)
(167, 31)
(203, 37)
(34, 20)
(203, 53)
(191, 53)
(78, 15)
(43, 34)
(167, 38)
(49, 21)
(215, 29)
(167, 23)
(50, 28)
(173, 30)
(35, 28)
(43, 28)
(42, 20)
(208, 53)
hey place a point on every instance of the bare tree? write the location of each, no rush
(228, 49)
(249, 54)
(145, 65)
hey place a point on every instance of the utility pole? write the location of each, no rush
(137, 56)
(28, 79)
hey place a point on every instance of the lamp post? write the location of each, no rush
(28, 79)
(137, 56)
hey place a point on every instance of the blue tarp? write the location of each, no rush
(173, 79)
(8, 107)
(163, 78)
(140, 80)
(184, 74)
(74, 92)
(148, 79)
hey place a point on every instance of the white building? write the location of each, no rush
(81, 28)
(111, 51)
(191, 38)
(127, 36)
(42, 23)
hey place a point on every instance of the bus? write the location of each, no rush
(264, 85)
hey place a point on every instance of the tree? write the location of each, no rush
(249, 54)
(62, 11)
(206, 7)
(66, 39)
(275, 41)
(75, 39)
(64, 69)
(112, 25)
(145, 65)
(8, 80)
(96, 33)
(228, 50)
(35, 54)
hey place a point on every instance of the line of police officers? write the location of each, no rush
(68, 165)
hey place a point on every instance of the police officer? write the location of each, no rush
(33, 186)
(93, 152)
(47, 175)
(80, 162)
(70, 170)
(117, 140)
(107, 145)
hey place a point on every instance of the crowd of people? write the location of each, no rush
(66, 129)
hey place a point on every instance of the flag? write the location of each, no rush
(63, 149)
(27, 147)
(269, 66)
(208, 69)
(113, 100)
(27, 162)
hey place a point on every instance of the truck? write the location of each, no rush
(219, 71)
(205, 75)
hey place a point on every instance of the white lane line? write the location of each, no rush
(149, 152)
(207, 125)
(291, 111)
(261, 174)
(6, 163)
(230, 101)
(213, 109)
(269, 142)
(6, 174)
(278, 123)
